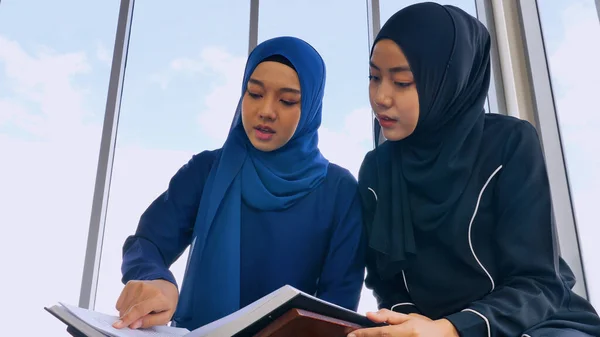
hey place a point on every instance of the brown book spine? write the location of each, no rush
(297, 323)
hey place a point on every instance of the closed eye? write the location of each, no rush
(288, 103)
(403, 84)
(253, 95)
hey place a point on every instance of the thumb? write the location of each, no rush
(387, 316)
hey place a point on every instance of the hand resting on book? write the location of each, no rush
(402, 325)
(143, 304)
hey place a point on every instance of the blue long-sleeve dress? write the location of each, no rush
(315, 246)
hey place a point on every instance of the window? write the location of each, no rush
(571, 34)
(54, 71)
(345, 135)
(180, 92)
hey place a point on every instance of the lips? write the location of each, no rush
(264, 129)
(386, 118)
(263, 133)
(386, 122)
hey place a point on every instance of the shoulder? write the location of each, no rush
(203, 160)
(508, 136)
(339, 194)
(369, 169)
(508, 129)
(340, 177)
(198, 166)
(339, 188)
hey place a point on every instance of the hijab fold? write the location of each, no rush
(421, 178)
(266, 181)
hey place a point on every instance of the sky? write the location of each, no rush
(181, 86)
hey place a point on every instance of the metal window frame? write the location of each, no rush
(544, 111)
(91, 267)
(373, 27)
(496, 95)
(253, 31)
(598, 8)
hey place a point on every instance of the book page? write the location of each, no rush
(238, 320)
(103, 323)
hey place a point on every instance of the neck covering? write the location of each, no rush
(266, 181)
(422, 177)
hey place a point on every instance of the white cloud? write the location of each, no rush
(575, 70)
(224, 72)
(348, 146)
(44, 81)
(11, 112)
(47, 178)
(103, 54)
(220, 104)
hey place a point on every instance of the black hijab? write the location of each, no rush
(421, 178)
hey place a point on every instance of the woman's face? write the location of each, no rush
(271, 105)
(392, 91)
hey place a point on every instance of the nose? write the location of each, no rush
(383, 97)
(267, 112)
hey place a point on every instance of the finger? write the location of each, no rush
(137, 324)
(128, 301)
(385, 315)
(121, 299)
(161, 318)
(391, 330)
(373, 316)
(128, 295)
(155, 304)
(419, 316)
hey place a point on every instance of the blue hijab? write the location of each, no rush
(268, 181)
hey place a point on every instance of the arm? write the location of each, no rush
(389, 294)
(165, 228)
(529, 289)
(343, 272)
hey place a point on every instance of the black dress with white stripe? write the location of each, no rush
(493, 268)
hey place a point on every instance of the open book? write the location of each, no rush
(276, 309)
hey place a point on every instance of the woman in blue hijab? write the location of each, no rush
(456, 201)
(265, 210)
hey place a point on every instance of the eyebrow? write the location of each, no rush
(398, 69)
(284, 89)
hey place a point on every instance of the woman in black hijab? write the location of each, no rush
(456, 201)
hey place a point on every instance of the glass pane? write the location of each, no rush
(346, 132)
(572, 36)
(181, 88)
(55, 59)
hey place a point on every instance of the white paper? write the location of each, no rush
(103, 323)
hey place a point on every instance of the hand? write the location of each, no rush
(143, 304)
(402, 325)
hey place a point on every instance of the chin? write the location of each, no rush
(394, 135)
(264, 147)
